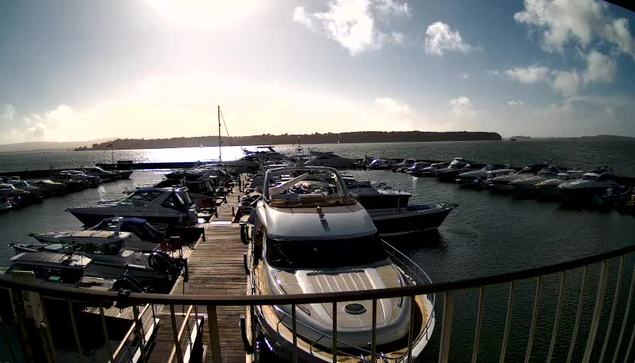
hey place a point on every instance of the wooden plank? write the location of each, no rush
(215, 267)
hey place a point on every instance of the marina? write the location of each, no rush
(216, 264)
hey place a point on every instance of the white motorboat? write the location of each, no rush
(170, 206)
(501, 183)
(549, 188)
(330, 160)
(528, 185)
(430, 170)
(478, 177)
(591, 187)
(137, 234)
(308, 236)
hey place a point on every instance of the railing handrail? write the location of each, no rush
(65, 292)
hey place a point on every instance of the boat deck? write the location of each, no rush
(215, 268)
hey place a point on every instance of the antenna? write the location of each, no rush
(220, 143)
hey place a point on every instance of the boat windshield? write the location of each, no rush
(305, 187)
(325, 254)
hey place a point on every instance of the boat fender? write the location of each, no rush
(243, 234)
(245, 264)
(243, 332)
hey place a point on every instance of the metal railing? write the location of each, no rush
(587, 340)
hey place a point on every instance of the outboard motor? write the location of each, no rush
(160, 261)
(127, 282)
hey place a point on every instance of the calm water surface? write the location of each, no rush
(486, 234)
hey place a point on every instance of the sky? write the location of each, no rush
(82, 70)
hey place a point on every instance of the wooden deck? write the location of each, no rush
(215, 268)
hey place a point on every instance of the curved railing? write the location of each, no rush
(448, 289)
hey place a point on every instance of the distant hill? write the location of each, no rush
(43, 145)
(316, 138)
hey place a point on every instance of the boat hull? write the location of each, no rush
(391, 223)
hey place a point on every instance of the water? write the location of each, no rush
(487, 233)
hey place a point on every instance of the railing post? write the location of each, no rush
(534, 318)
(479, 324)
(105, 328)
(75, 330)
(214, 338)
(334, 332)
(373, 337)
(139, 328)
(625, 320)
(446, 329)
(556, 322)
(578, 315)
(616, 296)
(597, 311)
(411, 326)
(294, 331)
(175, 334)
(508, 320)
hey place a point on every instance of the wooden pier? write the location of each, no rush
(215, 268)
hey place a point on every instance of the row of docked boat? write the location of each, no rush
(16, 193)
(595, 187)
(134, 243)
(308, 233)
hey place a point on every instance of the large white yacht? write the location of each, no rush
(309, 235)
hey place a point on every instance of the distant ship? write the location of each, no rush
(513, 139)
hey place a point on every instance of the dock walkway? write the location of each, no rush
(215, 268)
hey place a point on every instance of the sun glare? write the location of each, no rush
(206, 14)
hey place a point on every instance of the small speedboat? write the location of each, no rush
(110, 259)
(458, 165)
(170, 206)
(310, 236)
(201, 183)
(598, 187)
(526, 186)
(70, 270)
(50, 188)
(375, 196)
(137, 234)
(501, 183)
(394, 222)
(476, 178)
(548, 189)
(330, 160)
(430, 170)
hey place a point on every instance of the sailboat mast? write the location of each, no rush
(219, 137)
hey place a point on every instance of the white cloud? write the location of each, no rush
(462, 106)
(513, 103)
(440, 37)
(300, 16)
(465, 76)
(9, 112)
(178, 106)
(600, 68)
(575, 21)
(392, 106)
(356, 24)
(567, 83)
(528, 75)
(493, 72)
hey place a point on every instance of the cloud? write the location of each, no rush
(529, 75)
(465, 76)
(356, 24)
(567, 83)
(392, 106)
(178, 106)
(462, 106)
(440, 38)
(513, 103)
(575, 21)
(300, 16)
(9, 112)
(600, 68)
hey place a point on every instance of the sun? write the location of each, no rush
(204, 14)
